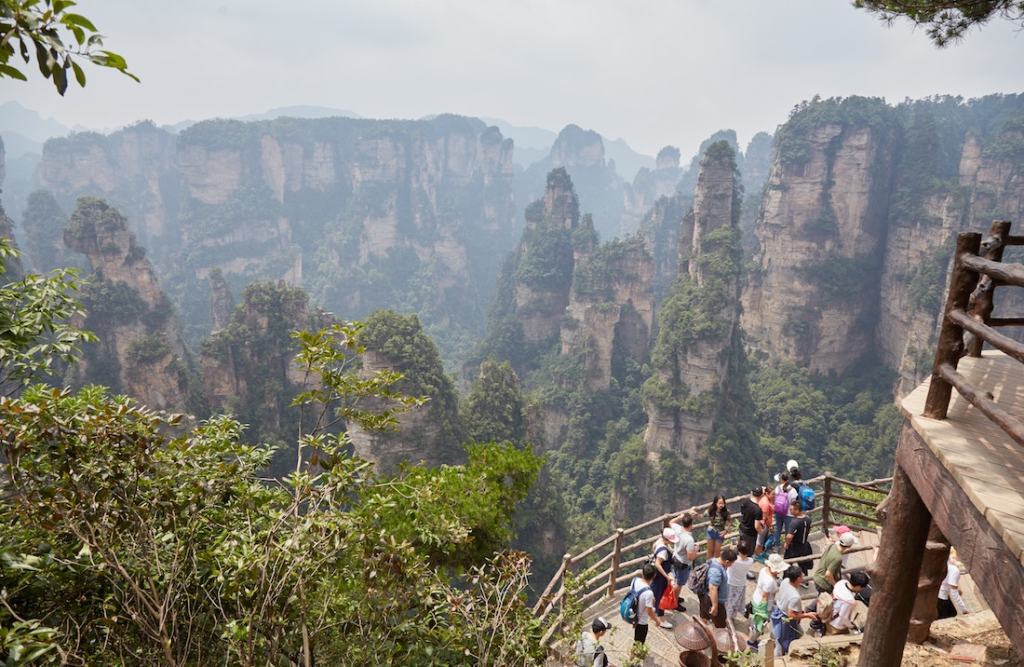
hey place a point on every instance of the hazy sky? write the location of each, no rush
(650, 71)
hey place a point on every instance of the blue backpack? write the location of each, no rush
(806, 498)
(628, 608)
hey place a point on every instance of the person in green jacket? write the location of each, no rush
(830, 565)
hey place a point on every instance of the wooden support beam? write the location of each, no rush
(616, 557)
(903, 542)
(1003, 274)
(1006, 322)
(1010, 424)
(995, 568)
(826, 516)
(933, 571)
(981, 301)
(948, 351)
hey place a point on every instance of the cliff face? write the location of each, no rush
(12, 266)
(821, 232)
(650, 185)
(140, 351)
(610, 313)
(698, 323)
(365, 214)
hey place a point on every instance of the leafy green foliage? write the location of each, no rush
(121, 543)
(946, 21)
(35, 333)
(57, 37)
(493, 409)
(793, 140)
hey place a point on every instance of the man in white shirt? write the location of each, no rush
(646, 605)
(950, 601)
(684, 553)
(788, 610)
(844, 601)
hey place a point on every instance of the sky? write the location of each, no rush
(653, 72)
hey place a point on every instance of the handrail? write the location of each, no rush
(1006, 274)
(987, 333)
(1012, 426)
(622, 569)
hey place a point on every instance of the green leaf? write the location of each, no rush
(79, 74)
(79, 20)
(11, 72)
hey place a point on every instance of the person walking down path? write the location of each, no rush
(798, 537)
(830, 565)
(737, 577)
(661, 559)
(589, 652)
(645, 614)
(950, 601)
(712, 603)
(767, 520)
(718, 525)
(764, 596)
(788, 611)
(683, 553)
(781, 506)
(751, 524)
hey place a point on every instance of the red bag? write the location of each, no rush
(668, 601)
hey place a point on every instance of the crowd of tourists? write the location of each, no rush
(771, 527)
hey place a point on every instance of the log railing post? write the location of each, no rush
(826, 504)
(616, 559)
(950, 346)
(981, 301)
(904, 537)
(566, 564)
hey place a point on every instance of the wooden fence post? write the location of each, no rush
(826, 504)
(951, 343)
(616, 559)
(981, 302)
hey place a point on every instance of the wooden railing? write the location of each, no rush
(967, 323)
(606, 568)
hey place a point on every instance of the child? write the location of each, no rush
(737, 575)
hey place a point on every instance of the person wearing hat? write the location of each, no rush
(589, 652)
(764, 595)
(662, 562)
(830, 565)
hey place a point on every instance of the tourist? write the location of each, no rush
(950, 601)
(751, 524)
(780, 504)
(737, 577)
(712, 603)
(767, 520)
(684, 553)
(764, 596)
(646, 604)
(718, 525)
(797, 536)
(589, 652)
(830, 565)
(662, 561)
(839, 620)
(788, 610)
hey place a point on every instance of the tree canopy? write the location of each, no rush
(945, 21)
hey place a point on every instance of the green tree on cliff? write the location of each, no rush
(493, 409)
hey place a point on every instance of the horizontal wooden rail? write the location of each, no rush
(1012, 426)
(1014, 240)
(603, 543)
(855, 515)
(852, 499)
(873, 485)
(597, 578)
(1006, 322)
(987, 333)
(1006, 274)
(551, 585)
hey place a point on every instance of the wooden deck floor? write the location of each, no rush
(985, 462)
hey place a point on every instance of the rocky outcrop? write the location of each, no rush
(650, 185)
(821, 233)
(668, 235)
(430, 433)
(12, 268)
(364, 213)
(599, 187)
(698, 323)
(610, 313)
(222, 302)
(140, 350)
(248, 366)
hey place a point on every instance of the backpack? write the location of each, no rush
(806, 498)
(629, 607)
(781, 502)
(589, 654)
(668, 559)
(698, 581)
